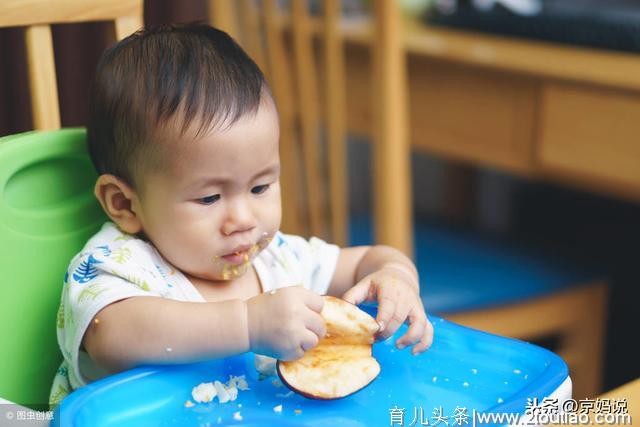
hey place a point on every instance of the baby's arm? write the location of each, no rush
(385, 275)
(355, 263)
(156, 330)
(143, 330)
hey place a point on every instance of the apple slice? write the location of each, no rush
(341, 363)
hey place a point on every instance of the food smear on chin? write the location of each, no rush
(231, 271)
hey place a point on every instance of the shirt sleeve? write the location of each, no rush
(315, 260)
(95, 279)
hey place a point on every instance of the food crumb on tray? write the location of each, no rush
(284, 395)
(265, 365)
(227, 392)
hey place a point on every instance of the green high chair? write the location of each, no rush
(47, 213)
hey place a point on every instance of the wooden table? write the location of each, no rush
(630, 392)
(569, 114)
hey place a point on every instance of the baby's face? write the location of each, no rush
(218, 204)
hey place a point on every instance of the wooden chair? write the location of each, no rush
(37, 16)
(309, 87)
(577, 317)
(46, 158)
(303, 58)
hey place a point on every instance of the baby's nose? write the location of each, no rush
(239, 219)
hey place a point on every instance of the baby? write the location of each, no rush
(184, 134)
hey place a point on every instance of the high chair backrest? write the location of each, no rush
(47, 207)
(47, 213)
(37, 16)
(303, 58)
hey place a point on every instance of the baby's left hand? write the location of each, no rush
(398, 300)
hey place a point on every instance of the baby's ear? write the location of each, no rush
(119, 201)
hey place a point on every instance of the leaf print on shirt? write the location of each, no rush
(121, 255)
(124, 237)
(62, 370)
(58, 395)
(69, 320)
(141, 283)
(92, 291)
(86, 270)
(106, 251)
(164, 276)
(152, 273)
(137, 281)
(162, 273)
(60, 317)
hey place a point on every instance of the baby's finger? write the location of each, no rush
(293, 354)
(396, 321)
(426, 340)
(386, 310)
(309, 341)
(312, 300)
(357, 293)
(316, 324)
(414, 333)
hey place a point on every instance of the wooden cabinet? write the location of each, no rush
(592, 135)
(472, 114)
(546, 110)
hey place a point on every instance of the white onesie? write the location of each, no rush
(114, 265)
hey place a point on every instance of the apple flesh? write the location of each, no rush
(341, 363)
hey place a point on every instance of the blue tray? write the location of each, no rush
(465, 368)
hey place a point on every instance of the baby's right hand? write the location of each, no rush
(286, 323)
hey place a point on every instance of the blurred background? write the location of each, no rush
(522, 122)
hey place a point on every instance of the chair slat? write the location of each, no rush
(222, 14)
(308, 113)
(279, 67)
(252, 33)
(392, 204)
(127, 25)
(42, 78)
(314, 188)
(335, 120)
(37, 16)
(19, 13)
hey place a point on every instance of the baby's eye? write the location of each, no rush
(259, 189)
(209, 199)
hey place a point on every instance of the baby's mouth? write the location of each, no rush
(241, 256)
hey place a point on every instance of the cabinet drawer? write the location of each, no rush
(592, 135)
(472, 114)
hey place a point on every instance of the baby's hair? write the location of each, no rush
(162, 80)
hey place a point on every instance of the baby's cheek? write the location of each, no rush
(272, 213)
(188, 251)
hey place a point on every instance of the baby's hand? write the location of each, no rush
(398, 301)
(286, 323)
